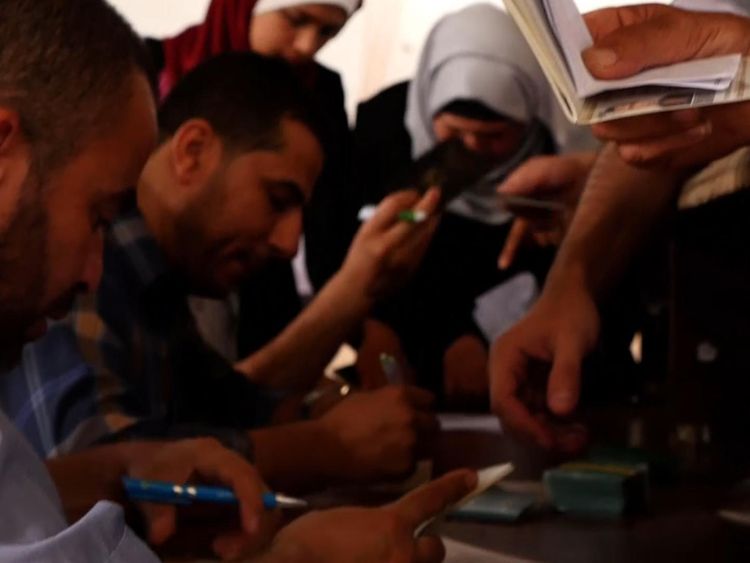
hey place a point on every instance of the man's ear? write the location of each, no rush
(195, 152)
(10, 133)
(15, 161)
(9, 127)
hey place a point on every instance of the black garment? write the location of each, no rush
(709, 323)
(331, 215)
(382, 145)
(269, 301)
(155, 49)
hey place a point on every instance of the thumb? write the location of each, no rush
(564, 385)
(669, 36)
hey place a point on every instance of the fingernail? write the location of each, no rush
(600, 58)
(472, 479)
(702, 130)
(562, 401)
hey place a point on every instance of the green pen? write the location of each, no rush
(413, 216)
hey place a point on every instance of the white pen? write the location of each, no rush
(408, 216)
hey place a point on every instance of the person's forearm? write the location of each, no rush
(85, 478)
(619, 207)
(296, 359)
(298, 458)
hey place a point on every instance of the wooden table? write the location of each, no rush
(682, 526)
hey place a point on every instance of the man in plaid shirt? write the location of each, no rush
(129, 362)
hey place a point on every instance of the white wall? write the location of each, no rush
(382, 43)
(161, 18)
(379, 47)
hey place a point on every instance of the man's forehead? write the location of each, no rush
(302, 144)
(297, 163)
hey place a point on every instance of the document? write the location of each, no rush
(557, 34)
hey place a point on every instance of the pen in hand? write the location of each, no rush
(415, 217)
(392, 370)
(139, 490)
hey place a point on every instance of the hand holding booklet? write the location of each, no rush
(557, 34)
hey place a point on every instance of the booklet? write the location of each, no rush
(557, 34)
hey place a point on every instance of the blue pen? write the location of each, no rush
(159, 492)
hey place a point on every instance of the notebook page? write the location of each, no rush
(573, 36)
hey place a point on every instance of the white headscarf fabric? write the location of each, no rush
(349, 6)
(478, 54)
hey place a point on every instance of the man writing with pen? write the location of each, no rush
(221, 195)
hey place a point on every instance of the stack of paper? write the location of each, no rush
(557, 34)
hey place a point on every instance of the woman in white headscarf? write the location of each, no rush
(478, 82)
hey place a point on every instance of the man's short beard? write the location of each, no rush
(23, 265)
(188, 234)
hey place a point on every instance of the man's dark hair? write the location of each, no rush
(244, 96)
(65, 67)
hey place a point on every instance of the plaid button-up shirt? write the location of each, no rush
(129, 363)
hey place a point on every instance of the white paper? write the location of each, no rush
(500, 309)
(487, 478)
(570, 29)
(533, 21)
(459, 552)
